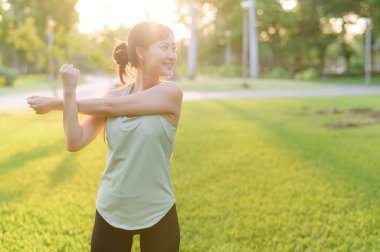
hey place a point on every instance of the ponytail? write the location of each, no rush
(120, 55)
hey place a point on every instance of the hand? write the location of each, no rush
(69, 76)
(40, 104)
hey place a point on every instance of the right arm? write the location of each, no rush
(165, 98)
(77, 135)
(91, 125)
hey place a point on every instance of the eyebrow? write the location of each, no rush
(167, 43)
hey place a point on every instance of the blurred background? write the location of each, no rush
(307, 40)
(287, 172)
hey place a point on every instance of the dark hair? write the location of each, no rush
(142, 35)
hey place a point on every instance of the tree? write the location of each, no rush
(24, 27)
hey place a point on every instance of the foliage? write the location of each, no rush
(278, 72)
(221, 70)
(295, 40)
(7, 76)
(25, 28)
(248, 175)
(3, 81)
(308, 74)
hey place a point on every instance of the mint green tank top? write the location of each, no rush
(135, 190)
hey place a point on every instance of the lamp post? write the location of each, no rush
(227, 54)
(192, 52)
(250, 5)
(368, 44)
(245, 6)
(253, 43)
(51, 24)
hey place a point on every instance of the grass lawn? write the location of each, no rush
(351, 80)
(248, 175)
(207, 83)
(29, 83)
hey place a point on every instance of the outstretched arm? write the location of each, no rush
(43, 104)
(161, 99)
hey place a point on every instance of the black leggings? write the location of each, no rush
(164, 236)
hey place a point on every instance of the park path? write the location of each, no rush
(94, 86)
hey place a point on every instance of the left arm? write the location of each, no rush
(161, 99)
(165, 98)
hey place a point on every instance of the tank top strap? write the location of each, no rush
(128, 89)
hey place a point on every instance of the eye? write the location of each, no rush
(165, 47)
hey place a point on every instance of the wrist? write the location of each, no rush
(57, 104)
(68, 93)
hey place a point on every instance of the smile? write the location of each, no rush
(169, 65)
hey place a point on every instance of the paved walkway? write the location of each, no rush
(95, 86)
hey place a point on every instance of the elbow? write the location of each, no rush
(109, 109)
(72, 149)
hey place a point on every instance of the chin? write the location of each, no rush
(167, 74)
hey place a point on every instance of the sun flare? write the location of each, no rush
(94, 15)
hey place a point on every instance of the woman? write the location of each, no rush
(135, 192)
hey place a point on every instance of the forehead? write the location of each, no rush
(168, 40)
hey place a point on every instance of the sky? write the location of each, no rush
(95, 14)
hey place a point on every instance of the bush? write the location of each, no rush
(2, 81)
(222, 70)
(182, 69)
(278, 72)
(357, 66)
(308, 74)
(7, 76)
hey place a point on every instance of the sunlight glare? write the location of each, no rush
(94, 15)
(289, 4)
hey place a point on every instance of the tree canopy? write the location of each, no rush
(316, 34)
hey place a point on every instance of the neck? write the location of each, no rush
(145, 81)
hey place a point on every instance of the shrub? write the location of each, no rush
(7, 76)
(2, 81)
(308, 74)
(222, 70)
(278, 72)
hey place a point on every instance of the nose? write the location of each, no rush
(172, 55)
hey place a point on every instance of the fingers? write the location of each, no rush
(68, 70)
(32, 102)
(29, 101)
(66, 67)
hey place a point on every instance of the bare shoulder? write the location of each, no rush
(173, 87)
(172, 84)
(114, 92)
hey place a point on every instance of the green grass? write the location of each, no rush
(206, 83)
(248, 175)
(30, 82)
(350, 80)
(202, 84)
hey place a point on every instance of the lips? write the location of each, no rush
(169, 65)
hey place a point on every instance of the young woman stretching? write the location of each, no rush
(139, 120)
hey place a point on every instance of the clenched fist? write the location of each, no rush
(69, 76)
(41, 104)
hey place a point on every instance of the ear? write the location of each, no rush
(140, 52)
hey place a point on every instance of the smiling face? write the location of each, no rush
(159, 58)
